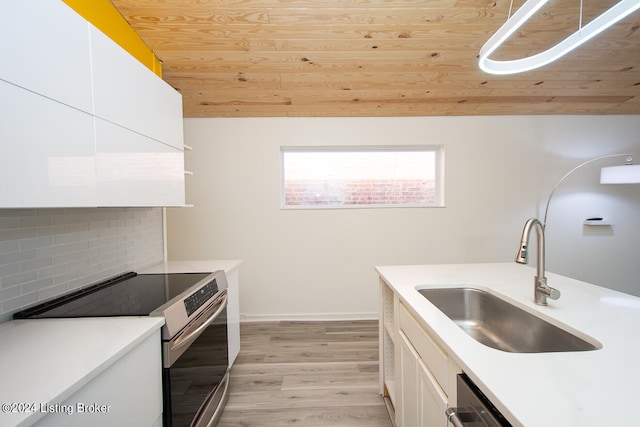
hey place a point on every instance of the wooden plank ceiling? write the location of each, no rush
(252, 58)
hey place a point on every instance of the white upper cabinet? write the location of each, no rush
(46, 152)
(132, 96)
(133, 170)
(82, 122)
(45, 48)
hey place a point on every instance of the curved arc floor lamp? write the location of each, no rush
(622, 174)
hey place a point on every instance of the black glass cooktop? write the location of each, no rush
(127, 295)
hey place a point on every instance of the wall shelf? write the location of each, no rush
(596, 222)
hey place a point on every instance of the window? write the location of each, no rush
(356, 177)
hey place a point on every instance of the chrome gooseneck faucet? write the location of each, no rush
(541, 289)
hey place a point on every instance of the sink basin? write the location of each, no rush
(496, 323)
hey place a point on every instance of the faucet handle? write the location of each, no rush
(544, 291)
(553, 293)
(550, 292)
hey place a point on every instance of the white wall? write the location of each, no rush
(320, 263)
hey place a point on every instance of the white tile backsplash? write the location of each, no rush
(47, 252)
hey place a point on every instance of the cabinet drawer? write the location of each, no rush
(434, 357)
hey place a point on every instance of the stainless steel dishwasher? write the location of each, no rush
(474, 409)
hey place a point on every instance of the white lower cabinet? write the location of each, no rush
(422, 402)
(233, 312)
(127, 393)
(408, 404)
(416, 373)
(433, 400)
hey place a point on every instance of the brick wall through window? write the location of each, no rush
(360, 178)
(302, 192)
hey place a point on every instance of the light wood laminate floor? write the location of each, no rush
(306, 374)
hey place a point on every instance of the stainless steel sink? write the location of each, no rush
(497, 323)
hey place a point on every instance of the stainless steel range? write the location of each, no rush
(194, 337)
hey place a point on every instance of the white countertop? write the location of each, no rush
(590, 388)
(45, 361)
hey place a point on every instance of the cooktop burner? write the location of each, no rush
(127, 295)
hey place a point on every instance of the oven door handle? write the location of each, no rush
(186, 340)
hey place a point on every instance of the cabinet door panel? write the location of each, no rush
(407, 412)
(425, 346)
(45, 49)
(233, 313)
(129, 94)
(130, 390)
(433, 400)
(47, 152)
(133, 170)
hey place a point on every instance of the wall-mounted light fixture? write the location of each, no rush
(585, 33)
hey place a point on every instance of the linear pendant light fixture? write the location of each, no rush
(612, 15)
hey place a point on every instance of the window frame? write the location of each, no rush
(438, 151)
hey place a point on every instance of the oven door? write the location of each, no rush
(195, 372)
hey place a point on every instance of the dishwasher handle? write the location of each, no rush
(452, 416)
(459, 417)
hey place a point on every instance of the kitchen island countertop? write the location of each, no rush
(590, 388)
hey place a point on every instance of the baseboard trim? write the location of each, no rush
(311, 317)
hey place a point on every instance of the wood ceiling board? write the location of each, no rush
(255, 58)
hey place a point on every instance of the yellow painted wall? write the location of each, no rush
(104, 15)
